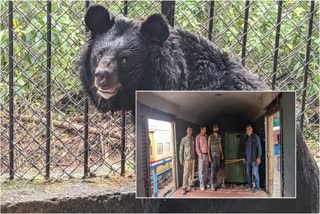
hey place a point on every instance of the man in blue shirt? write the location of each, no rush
(252, 157)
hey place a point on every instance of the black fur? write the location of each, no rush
(160, 57)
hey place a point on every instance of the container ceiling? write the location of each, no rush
(204, 107)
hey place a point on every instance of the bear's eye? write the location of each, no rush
(124, 60)
(99, 56)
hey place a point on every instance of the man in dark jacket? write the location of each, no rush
(252, 157)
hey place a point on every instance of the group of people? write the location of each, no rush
(209, 150)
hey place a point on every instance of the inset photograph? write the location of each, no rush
(215, 144)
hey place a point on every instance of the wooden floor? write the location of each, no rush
(220, 193)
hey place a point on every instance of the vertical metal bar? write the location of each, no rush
(306, 65)
(245, 31)
(86, 125)
(48, 94)
(11, 93)
(123, 118)
(123, 142)
(125, 8)
(276, 46)
(211, 19)
(167, 9)
(86, 135)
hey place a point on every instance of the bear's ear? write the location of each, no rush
(97, 19)
(155, 29)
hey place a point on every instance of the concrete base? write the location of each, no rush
(107, 195)
(117, 202)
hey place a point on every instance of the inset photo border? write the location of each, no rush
(215, 144)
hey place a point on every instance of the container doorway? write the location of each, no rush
(162, 157)
(274, 155)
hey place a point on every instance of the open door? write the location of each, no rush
(269, 154)
(277, 160)
(162, 165)
(274, 155)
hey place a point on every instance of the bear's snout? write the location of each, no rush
(106, 75)
(102, 78)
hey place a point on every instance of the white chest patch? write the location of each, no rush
(105, 95)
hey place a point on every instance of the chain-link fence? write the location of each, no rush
(49, 129)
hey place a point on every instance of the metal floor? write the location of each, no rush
(225, 193)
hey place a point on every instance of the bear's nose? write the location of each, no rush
(102, 76)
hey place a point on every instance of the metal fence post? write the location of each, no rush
(306, 65)
(11, 93)
(123, 142)
(125, 8)
(245, 32)
(167, 9)
(48, 93)
(86, 123)
(123, 118)
(211, 20)
(276, 46)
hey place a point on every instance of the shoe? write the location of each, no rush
(202, 188)
(255, 190)
(184, 191)
(213, 189)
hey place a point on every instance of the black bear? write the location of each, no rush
(123, 55)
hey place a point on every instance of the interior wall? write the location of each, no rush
(288, 128)
(227, 123)
(142, 190)
(236, 123)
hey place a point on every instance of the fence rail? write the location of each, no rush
(49, 129)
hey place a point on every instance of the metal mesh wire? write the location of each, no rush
(224, 20)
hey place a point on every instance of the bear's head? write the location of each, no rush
(114, 63)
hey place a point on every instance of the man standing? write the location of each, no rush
(252, 157)
(186, 155)
(202, 151)
(215, 153)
